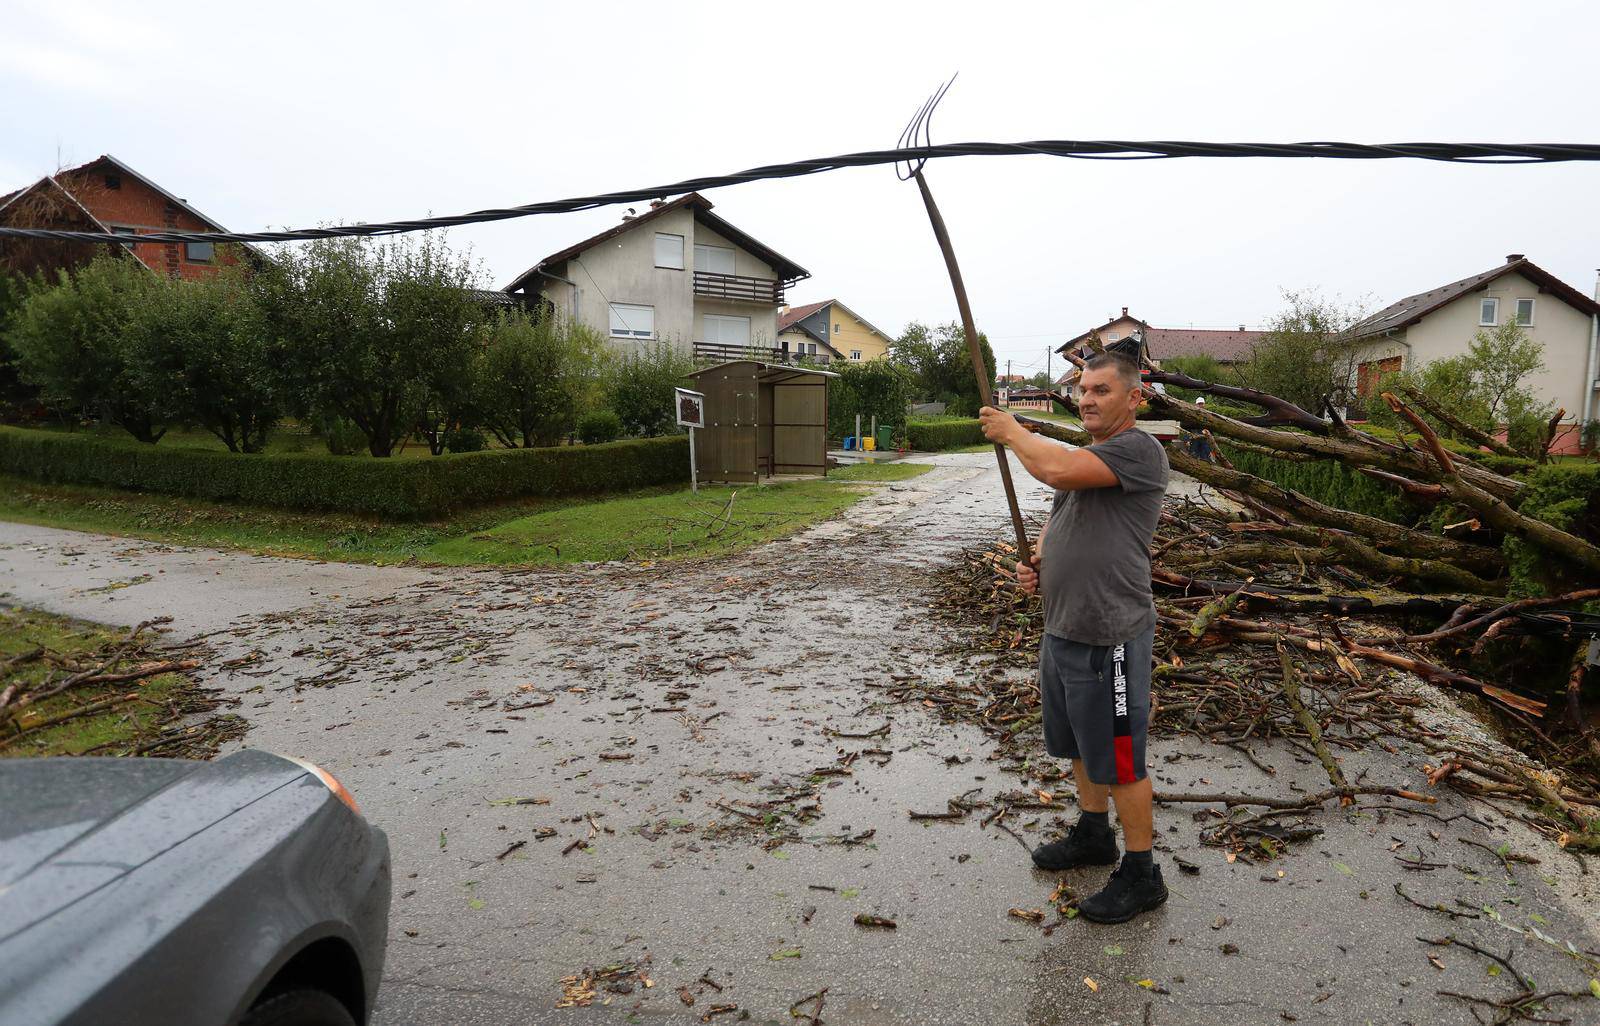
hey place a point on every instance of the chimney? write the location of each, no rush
(1124, 311)
(1241, 327)
(1512, 258)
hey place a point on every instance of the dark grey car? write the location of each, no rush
(165, 891)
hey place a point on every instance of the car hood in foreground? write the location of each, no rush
(71, 826)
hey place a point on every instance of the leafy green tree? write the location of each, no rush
(71, 338)
(1483, 387)
(940, 365)
(599, 426)
(877, 388)
(379, 332)
(13, 390)
(639, 388)
(202, 347)
(534, 376)
(1307, 355)
(1199, 367)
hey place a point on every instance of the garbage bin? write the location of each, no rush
(849, 443)
(869, 443)
(885, 436)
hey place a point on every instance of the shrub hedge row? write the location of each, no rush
(1330, 482)
(400, 489)
(936, 434)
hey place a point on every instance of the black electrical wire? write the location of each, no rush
(1454, 153)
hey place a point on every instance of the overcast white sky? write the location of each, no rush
(292, 114)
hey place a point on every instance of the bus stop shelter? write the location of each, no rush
(762, 420)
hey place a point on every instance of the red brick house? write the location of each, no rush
(107, 195)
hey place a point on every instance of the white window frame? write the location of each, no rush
(702, 258)
(855, 354)
(1516, 312)
(668, 235)
(1494, 315)
(619, 312)
(1111, 336)
(720, 319)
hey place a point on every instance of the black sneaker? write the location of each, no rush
(1084, 845)
(1125, 895)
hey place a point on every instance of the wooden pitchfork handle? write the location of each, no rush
(975, 350)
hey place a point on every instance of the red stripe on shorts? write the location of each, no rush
(1124, 749)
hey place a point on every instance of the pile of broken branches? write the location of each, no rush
(42, 688)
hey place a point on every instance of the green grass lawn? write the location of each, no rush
(648, 525)
(135, 709)
(879, 471)
(676, 525)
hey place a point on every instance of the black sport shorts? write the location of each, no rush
(1096, 704)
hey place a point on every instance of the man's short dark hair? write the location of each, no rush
(1126, 369)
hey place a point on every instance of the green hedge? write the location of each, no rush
(1329, 482)
(1566, 494)
(934, 434)
(396, 488)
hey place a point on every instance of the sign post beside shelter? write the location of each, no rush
(691, 407)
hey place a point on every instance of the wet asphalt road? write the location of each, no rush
(559, 760)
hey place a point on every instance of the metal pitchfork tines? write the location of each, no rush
(918, 134)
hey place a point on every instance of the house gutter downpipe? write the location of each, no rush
(1589, 367)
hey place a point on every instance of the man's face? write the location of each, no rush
(1105, 403)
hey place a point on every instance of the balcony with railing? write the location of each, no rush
(718, 352)
(738, 288)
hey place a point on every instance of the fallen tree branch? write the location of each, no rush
(1291, 690)
(1493, 508)
(1478, 558)
(1309, 801)
(1279, 411)
(1460, 428)
(1362, 451)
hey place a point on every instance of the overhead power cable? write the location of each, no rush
(1455, 153)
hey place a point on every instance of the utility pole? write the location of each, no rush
(1008, 382)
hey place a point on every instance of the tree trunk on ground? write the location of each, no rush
(1304, 508)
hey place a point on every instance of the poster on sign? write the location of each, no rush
(691, 408)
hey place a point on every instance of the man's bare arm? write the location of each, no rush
(1064, 469)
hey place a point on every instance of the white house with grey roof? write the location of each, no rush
(677, 273)
(1441, 323)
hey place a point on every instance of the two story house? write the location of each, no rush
(106, 195)
(1441, 323)
(676, 273)
(830, 330)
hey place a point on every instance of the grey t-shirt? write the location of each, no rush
(1094, 567)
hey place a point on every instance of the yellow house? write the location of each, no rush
(828, 331)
